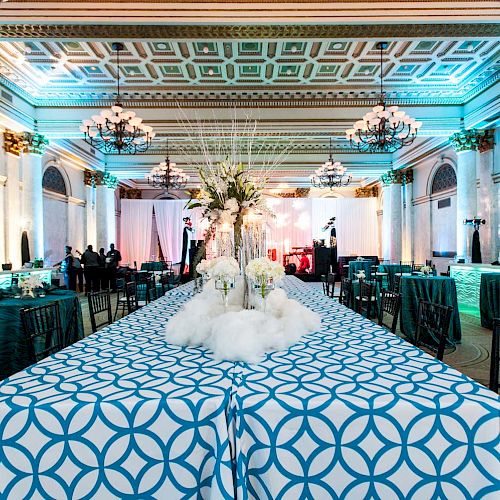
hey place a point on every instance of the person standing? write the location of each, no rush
(103, 272)
(90, 260)
(68, 270)
(113, 258)
(77, 264)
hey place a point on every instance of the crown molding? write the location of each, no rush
(277, 31)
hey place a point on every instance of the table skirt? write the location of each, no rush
(351, 411)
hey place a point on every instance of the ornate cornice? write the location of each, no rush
(472, 140)
(205, 32)
(298, 193)
(130, 193)
(95, 178)
(408, 176)
(368, 192)
(397, 177)
(24, 142)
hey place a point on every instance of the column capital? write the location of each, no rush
(392, 177)
(367, 192)
(130, 193)
(472, 140)
(408, 176)
(95, 178)
(24, 142)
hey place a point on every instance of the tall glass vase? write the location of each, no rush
(253, 246)
(224, 286)
(224, 240)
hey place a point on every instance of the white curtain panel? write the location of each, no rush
(356, 223)
(136, 226)
(169, 215)
(292, 225)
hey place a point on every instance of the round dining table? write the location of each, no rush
(436, 289)
(14, 355)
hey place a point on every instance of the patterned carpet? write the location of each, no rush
(472, 356)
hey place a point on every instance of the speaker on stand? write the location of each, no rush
(322, 260)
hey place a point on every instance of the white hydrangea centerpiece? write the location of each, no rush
(263, 271)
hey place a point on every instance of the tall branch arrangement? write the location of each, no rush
(233, 169)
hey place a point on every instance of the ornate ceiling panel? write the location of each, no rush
(163, 72)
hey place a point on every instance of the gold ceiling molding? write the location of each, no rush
(24, 142)
(368, 192)
(165, 32)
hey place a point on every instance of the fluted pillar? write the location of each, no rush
(3, 212)
(408, 215)
(486, 203)
(90, 209)
(467, 144)
(32, 199)
(386, 222)
(393, 216)
(105, 212)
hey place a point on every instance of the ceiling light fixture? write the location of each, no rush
(114, 130)
(331, 174)
(385, 129)
(167, 176)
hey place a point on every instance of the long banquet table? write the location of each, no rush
(351, 411)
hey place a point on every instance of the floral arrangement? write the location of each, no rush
(426, 270)
(204, 267)
(361, 275)
(263, 270)
(224, 268)
(29, 284)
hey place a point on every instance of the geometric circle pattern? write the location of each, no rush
(351, 411)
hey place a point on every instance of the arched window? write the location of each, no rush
(54, 181)
(444, 178)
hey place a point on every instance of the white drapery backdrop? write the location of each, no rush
(356, 223)
(169, 215)
(292, 225)
(136, 225)
(136, 228)
(297, 222)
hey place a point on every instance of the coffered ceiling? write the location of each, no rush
(165, 72)
(305, 70)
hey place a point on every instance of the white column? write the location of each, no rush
(3, 212)
(3, 206)
(466, 199)
(90, 208)
(486, 206)
(396, 222)
(105, 216)
(32, 202)
(13, 211)
(386, 223)
(408, 222)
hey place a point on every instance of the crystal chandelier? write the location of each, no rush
(167, 176)
(115, 130)
(385, 129)
(331, 174)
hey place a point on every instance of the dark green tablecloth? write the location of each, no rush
(489, 298)
(357, 265)
(391, 270)
(437, 289)
(13, 350)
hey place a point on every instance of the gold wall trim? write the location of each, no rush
(377, 31)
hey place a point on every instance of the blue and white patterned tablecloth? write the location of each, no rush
(121, 414)
(355, 412)
(350, 412)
